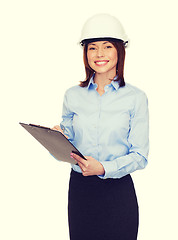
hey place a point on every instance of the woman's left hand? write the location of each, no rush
(90, 166)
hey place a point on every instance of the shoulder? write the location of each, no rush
(135, 91)
(74, 90)
(135, 96)
(75, 95)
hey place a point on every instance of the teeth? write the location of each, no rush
(100, 63)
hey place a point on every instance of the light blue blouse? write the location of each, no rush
(112, 128)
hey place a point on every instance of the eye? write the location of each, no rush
(109, 46)
(91, 48)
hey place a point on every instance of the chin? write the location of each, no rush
(104, 71)
(100, 70)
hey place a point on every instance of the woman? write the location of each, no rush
(107, 120)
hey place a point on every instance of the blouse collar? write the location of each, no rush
(113, 83)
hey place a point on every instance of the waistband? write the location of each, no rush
(95, 179)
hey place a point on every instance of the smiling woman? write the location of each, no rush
(107, 120)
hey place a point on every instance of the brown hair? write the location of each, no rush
(119, 68)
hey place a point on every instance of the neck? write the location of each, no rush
(103, 79)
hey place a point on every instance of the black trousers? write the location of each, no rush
(102, 209)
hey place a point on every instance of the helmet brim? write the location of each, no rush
(109, 39)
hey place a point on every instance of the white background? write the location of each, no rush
(39, 60)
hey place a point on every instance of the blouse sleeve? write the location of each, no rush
(138, 139)
(67, 116)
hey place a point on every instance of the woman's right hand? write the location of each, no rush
(58, 128)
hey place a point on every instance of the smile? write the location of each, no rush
(101, 63)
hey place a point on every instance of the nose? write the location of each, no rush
(100, 52)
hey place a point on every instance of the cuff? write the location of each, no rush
(109, 167)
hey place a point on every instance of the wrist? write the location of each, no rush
(102, 170)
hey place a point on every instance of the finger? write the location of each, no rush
(82, 168)
(79, 159)
(56, 127)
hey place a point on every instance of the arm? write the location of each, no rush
(66, 125)
(138, 140)
(67, 116)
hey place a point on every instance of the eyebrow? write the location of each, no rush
(95, 44)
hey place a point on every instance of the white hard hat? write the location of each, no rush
(103, 26)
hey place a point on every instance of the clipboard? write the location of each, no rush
(54, 141)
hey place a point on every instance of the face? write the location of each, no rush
(102, 57)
